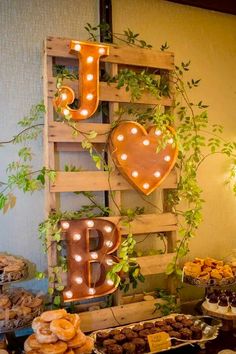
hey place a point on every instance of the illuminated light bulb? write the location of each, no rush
(79, 280)
(146, 142)
(76, 237)
(134, 130)
(65, 225)
(101, 50)
(89, 59)
(170, 141)
(120, 137)
(78, 258)
(84, 112)
(64, 96)
(94, 255)
(123, 157)
(146, 186)
(92, 291)
(157, 174)
(110, 282)
(77, 47)
(134, 174)
(109, 243)
(108, 228)
(90, 223)
(90, 77)
(66, 112)
(109, 262)
(69, 294)
(89, 96)
(158, 132)
(167, 158)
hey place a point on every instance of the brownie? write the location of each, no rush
(159, 323)
(166, 328)
(137, 328)
(154, 330)
(196, 332)
(140, 344)
(180, 318)
(186, 333)
(126, 330)
(101, 336)
(187, 323)
(148, 325)
(177, 326)
(129, 348)
(120, 338)
(108, 342)
(131, 335)
(144, 333)
(114, 332)
(114, 349)
(175, 334)
(169, 321)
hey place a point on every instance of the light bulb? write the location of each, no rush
(134, 130)
(63, 96)
(94, 255)
(90, 77)
(123, 157)
(65, 225)
(158, 132)
(69, 294)
(78, 258)
(90, 223)
(89, 59)
(146, 142)
(167, 158)
(157, 174)
(77, 47)
(134, 174)
(79, 280)
(146, 186)
(89, 96)
(110, 282)
(109, 243)
(66, 112)
(101, 50)
(120, 137)
(92, 291)
(76, 237)
(109, 262)
(170, 141)
(84, 112)
(108, 228)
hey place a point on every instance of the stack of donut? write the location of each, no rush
(58, 332)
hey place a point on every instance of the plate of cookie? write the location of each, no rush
(180, 330)
(18, 308)
(12, 268)
(207, 272)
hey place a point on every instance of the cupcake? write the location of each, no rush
(114, 349)
(213, 302)
(223, 305)
(196, 332)
(131, 335)
(186, 333)
(114, 332)
(101, 336)
(108, 342)
(129, 348)
(137, 328)
(148, 325)
(120, 338)
(140, 344)
(233, 305)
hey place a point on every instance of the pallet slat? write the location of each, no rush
(110, 93)
(60, 47)
(99, 181)
(156, 264)
(119, 315)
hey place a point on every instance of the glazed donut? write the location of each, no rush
(63, 329)
(78, 340)
(74, 319)
(87, 348)
(44, 335)
(49, 316)
(32, 342)
(37, 323)
(56, 348)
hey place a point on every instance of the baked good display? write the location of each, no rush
(58, 332)
(221, 301)
(12, 268)
(18, 307)
(208, 272)
(134, 339)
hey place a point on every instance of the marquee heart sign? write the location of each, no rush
(144, 157)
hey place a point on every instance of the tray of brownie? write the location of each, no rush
(181, 330)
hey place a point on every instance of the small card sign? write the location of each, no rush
(159, 341)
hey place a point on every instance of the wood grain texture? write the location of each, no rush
(154, 264)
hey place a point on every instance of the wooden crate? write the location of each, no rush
(58, 137)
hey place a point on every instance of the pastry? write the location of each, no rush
(129, 348)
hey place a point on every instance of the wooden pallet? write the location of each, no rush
(58, 138)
